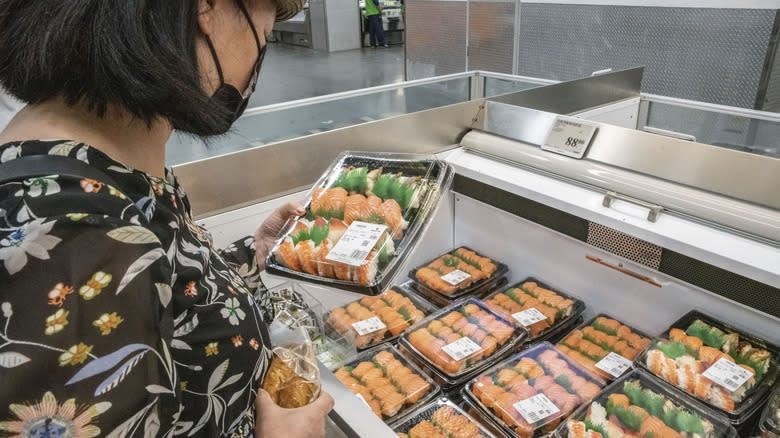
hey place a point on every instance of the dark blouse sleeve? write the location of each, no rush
(85, 327)
(240, 256)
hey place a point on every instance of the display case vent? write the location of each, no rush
(624, 245)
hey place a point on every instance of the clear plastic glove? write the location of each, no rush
(305, 422)
(266, 235)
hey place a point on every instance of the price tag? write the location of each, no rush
(614, 364)
(356, 243)
(462, 348)
(536, 408)
(570, 137)
(363, 400)
(529, 316)
(456, 277)
(369, 325)
(727, 374)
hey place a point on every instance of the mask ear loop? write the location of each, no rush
(216, 60)
(251, 25)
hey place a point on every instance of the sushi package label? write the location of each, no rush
(462, 348)
(369, 325)
(456, 277)
(727, 374)
(536, 408)
(614, 364)
(356, 243)
(529, 317)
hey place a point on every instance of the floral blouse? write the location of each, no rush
(118, 318)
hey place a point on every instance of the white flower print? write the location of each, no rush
(232, 311)
(10, 153)
(46, 185)
(33, 239)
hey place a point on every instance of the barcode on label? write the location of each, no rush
(730, 382)
(461, 348)
(614, 364)
(529, 317)
(356, 243)
(369, 325)
(358, 254)
(536, 408)
(366, 243)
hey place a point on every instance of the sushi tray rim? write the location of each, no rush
(501, 270)
(439, 402)
(489, 288)
(502, 364)
(678, 396)
(765, 425)
(520, 334)
(481, 415)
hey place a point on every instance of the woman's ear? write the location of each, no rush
(206, 16)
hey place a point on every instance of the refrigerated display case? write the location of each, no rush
(643, 227)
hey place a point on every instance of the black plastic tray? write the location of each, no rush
(769, 426)
(554, 333)
(393, 163)
(475, 289)
(745, 412)
(426, 412)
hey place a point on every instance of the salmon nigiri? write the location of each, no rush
(285, 253)
(356, 207)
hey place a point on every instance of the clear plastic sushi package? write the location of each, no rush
(457, 273)
(530, 393)
(440, 418)
(293, 378)
(372, 320)
(387, 382)
(770, 417)
(605, 346)
(460, 339)
(728, 369)
(544, 311)
(640, 405)
(362, 217)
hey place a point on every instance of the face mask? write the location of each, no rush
(226, 95)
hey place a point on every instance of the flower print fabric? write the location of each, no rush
(118, 318)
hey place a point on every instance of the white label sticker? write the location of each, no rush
(456, 277)
(363, 400)
(570, 137)
(369, 325)
(727, 374)
(356, 243)
(529, 316)
(536, 408)
(463, 347)
(614, 364)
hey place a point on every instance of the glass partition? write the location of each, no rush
(497, 86)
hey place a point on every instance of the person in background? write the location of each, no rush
(376, 29)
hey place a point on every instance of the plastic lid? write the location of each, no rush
(375, 319)
(605, 346)
(363, 216)
(531, 392)
(729, 370)
(389, 384)
(637, 404)
(536, 306)
(440, 418)
(457, 272)
(462, 337)
(770, 418)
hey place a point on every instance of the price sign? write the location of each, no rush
(369, 325)
(614, 364)
(356, 243)
(727, 374)
(462, 348)
(570, 137)
(529, 317)
(536, 408)
(456, 277)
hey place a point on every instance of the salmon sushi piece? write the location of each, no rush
(366, 272)
(391, 213)
(479, 335)
(285, 253)
(395, 323)
(324, 266)
(424, 429)
(529, 368)
(489, 345)
(522, 390)
(486, 265)
(505, 376)
(484, 389)
(339, 319)
(504, 408)
(414, 387)
(654, 427)
(390, 400)
(336, 229)
(356, 207)
(502, 332)
(432, 279)
(451, 318)
(542, 383)
(374, 203)
(305, 252)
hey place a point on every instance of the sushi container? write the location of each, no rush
(530, 393)
(459, 341)
(729, 370)
(363, 217)
(387, 382)
(605, 346)
(471, 408)
(545, 311)
(457, 273)
(639, 404)
(770, 418)
(373, 320)
(440, 418)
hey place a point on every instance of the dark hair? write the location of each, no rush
(136, 54)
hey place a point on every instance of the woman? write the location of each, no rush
(118, 318)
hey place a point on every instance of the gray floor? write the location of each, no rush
(291, 72)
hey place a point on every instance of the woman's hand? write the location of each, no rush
(265, 236)
(305, 422)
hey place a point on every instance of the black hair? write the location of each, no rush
(136, 54)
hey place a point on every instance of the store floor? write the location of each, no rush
(292, 72)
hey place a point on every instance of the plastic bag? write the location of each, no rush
(293, 379)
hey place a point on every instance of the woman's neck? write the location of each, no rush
(130, 141)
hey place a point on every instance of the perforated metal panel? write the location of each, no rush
(436, 38)
(624, 245)
(710, 55)
(489, 24)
